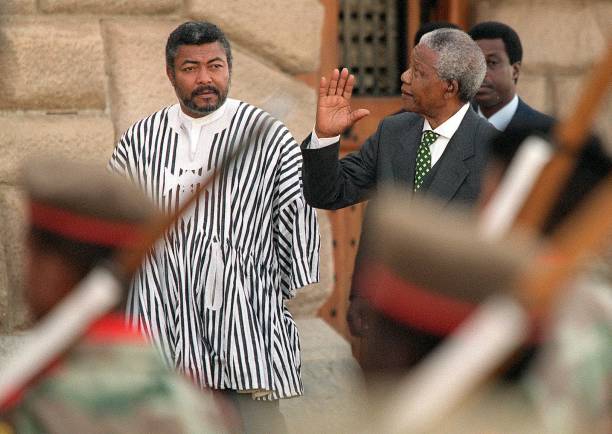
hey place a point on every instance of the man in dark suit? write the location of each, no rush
(496, 100)
(438, 147)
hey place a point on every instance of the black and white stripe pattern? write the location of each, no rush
(211, 294)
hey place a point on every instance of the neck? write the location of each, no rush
(442, 115)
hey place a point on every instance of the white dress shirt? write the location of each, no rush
(502, 118)
(446, 130)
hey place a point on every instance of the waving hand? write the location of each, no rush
(334, 114)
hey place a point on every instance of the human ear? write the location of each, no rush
(452, 88)
(170, 74)
(516, 70)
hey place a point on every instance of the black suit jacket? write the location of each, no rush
(389, 156)
(530, 119)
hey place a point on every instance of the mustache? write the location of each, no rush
(204, 89)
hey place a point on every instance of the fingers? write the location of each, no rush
(323, 87)
(333, 82)
(341, 83)
(359, 114)
(348, 88)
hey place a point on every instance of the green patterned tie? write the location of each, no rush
(423, 162)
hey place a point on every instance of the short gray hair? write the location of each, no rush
(459, 58)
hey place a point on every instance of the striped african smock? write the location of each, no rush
(211, 293)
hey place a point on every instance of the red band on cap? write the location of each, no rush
(82, 228)
(411, 305)
(418, 307)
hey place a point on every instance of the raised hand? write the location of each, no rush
(334, 114)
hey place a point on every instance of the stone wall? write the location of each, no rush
(561, 40)
(74, 74)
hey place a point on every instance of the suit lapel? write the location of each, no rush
(451, 171)
(521, 116)
(404, 166)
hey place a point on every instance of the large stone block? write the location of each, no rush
(567, 93)
(12, 226)
(110, 6)
(564, 34)
(309, 299)
(8, 7)
(75, 137)
(602, 10)
(533, 88)
(287, 34)
(136, 62)
(287, 99)
(51, 64)
(5, 291)
(139, 86)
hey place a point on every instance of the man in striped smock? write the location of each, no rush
(211, 295)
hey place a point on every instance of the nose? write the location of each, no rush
(203, 76)
(406, 76)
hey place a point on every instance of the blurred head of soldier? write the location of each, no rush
(80, 215)
(503, 52)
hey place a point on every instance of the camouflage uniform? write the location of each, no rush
(112, 381)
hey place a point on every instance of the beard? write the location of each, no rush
(205, 109)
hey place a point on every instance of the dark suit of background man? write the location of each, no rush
(446, 69)
(496, 99)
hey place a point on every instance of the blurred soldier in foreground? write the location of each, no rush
(111, 380)
(427, 274)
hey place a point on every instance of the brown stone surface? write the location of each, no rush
(76, 137)
(287, 99)
(533, 89)
(561, 34)
(17, 7)
(139, 85)
(5, 291)
(51, 64)
(110, 6)
(287, 34)
(309, 299)
(12, 217)
(136, 64)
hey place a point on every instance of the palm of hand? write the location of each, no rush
(333, 114)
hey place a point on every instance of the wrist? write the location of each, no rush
(323, 134)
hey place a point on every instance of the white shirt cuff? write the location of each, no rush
(318, 143)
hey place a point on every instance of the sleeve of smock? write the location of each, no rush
(297, 227)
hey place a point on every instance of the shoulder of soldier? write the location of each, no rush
(94, 378)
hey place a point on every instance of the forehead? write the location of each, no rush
(492, 46)
(200, 53)
(424, 56)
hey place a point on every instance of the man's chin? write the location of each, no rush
(484, 98)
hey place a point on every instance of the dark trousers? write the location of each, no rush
(258, 417)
